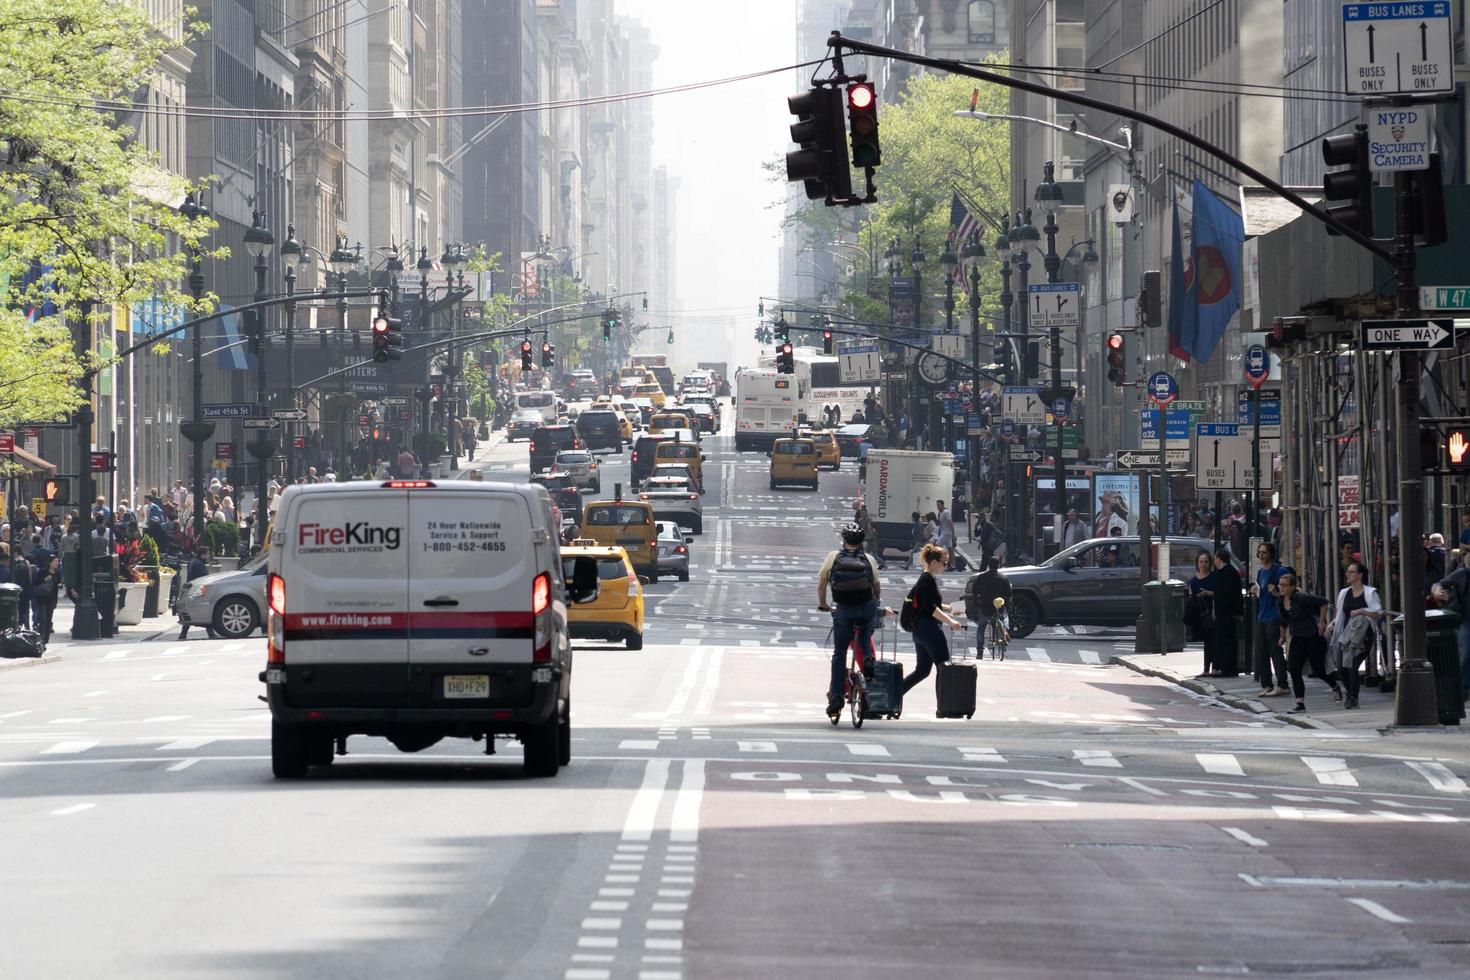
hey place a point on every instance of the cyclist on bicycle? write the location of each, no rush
(980, 594)
(853, 576)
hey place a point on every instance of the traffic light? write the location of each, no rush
(1457, 449)
(1000, 353)
(826, 342)
(58, 491)
(818, 131)
(1151, 300)
(862, 122)
(527, 362)
(609, 323)
(783, 332)
(387, 339)
(1353, 187)
(1428, 449)
(548, 354)
(785, 361)
(1426, 214)
(1117, 359)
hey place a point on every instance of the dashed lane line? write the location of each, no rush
(1220, 764)
(1330, 771)
(1244, 837)
(1096, 757)
(1378, 911)
(1439, 777)
(1038, 654)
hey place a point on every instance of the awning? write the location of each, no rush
(32, 462)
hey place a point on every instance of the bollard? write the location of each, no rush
(104, 591)
(9, 605)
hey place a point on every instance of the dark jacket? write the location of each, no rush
(1228, 599)
(197, 568)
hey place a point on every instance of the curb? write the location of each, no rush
(1253, 705)
(29, 661)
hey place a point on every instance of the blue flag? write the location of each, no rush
(1183, 323)
(1214, 285)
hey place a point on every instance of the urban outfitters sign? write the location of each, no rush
(1398, 139)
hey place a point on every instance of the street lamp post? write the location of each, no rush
(916, 261)
(196, 430)
(258, 242)
(452, 259)
(424, 266)
(1049, 193)
(1007, 299)
(974, 251)
(948, 261)
(1022, 236)
(291, 252)
(342, 261)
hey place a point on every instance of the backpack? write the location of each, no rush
(990, 538)
(851, 578)
(908, 616)
(973, 612)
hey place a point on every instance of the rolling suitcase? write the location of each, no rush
(885, 690)
(955, 680)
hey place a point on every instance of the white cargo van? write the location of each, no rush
(416, 610)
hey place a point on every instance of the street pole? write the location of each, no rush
(1024, 233)
(973, 252)
(1011, 500)
(258, 241)
(291, 252)
(947, 262)
(196, 430)
(424, 267)
(1254, 516)
(84, 621)
(1049, 192)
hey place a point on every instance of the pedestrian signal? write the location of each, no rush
(1457, 449)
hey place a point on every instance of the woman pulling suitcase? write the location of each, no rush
(926, 615)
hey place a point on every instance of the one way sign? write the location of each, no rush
(1055, 304)
(1430, 334)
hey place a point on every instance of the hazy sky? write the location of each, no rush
(715, 140)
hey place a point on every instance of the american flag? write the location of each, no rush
(961, 223)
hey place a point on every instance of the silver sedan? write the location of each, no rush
(230, 603)
(673, 550)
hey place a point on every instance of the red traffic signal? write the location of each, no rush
(526, 362)
(859, 96)
(862, 124)
(1116, 358)
(386, 339)
(826, 341)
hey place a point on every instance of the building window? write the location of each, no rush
(981, 17)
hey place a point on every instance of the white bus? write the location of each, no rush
(766, 407)
(823, 397)
(542, 401)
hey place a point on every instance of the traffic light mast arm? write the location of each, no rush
(838, 42)
(964, 366)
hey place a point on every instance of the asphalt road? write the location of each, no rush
(1087, 821)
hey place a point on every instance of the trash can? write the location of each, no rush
(9, 605)
(1176, 597)
(104, 593)
(1154, 601)
(1442, 652)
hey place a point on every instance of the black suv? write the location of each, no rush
(549, 440)
(599, 430)
(642, 460)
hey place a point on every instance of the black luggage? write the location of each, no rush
(955, 680)
(885, 690)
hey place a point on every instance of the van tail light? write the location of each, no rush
(407, 484)
(275, 619)
(541, 615)
(632, 586)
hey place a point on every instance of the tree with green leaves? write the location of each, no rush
(88, 221)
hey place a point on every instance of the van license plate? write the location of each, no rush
(466, 686)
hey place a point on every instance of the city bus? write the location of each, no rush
(766, 406)
(825, 401)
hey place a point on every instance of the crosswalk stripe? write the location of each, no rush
(1330, 771)
(1038, 654)
(1439, 776)
(866, 748)
(972, 754)
(116, 654)
(68, 748)
(183, 744)
(1221, 764)
(1097, 757)
(1090, 656)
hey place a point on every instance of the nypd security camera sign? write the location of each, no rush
(1398, 139)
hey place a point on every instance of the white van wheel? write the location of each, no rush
(288, 751)
(564, 738)
(543, 748)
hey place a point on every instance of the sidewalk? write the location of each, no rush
(482, 451)
(1374, 714)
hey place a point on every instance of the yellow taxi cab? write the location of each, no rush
(626, 524)
(653, 391)
(667, 420)
(625, 427)
(686, 453)
(829, 454)
(794, 461)
(616, 614)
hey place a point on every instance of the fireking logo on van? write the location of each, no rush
(357, 536)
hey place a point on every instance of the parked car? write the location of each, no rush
(673, 550)
(230, 603)
(1093, 583)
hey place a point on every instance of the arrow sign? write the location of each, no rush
(1427, 334)
(258, 423)
(1137, 460)
(289, 415)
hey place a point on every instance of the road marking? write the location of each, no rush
(604, 906)
(664, 925)
(67, 811)
(584, 973)
(1221, 764)
(116, 655)
(182, 764)
(158, 677)
(1090, 656)
(1096, 757)
(686, 686)
(750, 643)
(1142, 787)
(612, 924)
(593, 957)
(866, 748)
(981, 755)
(1439, 776)
(620, 879)
(757, 746)
(185, 744)
(164, 718)
(1038, 654)
(94, 694)
(617, 892)
(1378, 911)
(669, 907)
(711, 684)
(67, 748)
(684, 822)
(659, 975)
(692, 642)
(1244, 837)
(69, 721)
(674, 892)
(663, 944)
(172, 651)
(638, 743)
(16, 714)
(1330, 771)
(644, 809)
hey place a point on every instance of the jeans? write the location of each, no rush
(1268, 653)
(1462, 641)
(847, 621)
(932, 648)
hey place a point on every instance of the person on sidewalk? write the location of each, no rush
(1268, 621)
(198, 568)
(1074, 530)
(1355, 626)
(930, 612)
(1199, 614)
(1305, 618)
(1228, 602)
(1453, 592)
(45, 592)
(918, 537)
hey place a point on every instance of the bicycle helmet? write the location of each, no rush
(852, 533)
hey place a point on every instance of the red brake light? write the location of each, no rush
(407, 484)
(540, 594)
(681, 550)
(694, 496)
(275, 592)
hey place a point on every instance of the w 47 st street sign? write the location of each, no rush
(1437, 333)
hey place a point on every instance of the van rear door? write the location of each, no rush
(345, 570)
(472, 569)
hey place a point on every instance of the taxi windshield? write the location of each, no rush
(614, 516)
